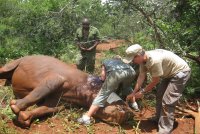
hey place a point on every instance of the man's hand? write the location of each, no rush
(95, 44)
(130, 97)
(138, 95)
(80, 46)
(87, 49)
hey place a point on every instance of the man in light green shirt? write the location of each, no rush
(164, 66)
(87, 38)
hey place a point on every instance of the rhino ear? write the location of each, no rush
(116, 113)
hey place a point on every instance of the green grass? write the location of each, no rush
(5, 96)
(5, 128)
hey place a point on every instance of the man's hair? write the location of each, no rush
(142, 53)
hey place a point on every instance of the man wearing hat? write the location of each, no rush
(87, 38)
(165, 68)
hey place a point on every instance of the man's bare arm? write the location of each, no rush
(153, 83)
(96, 43)
(139, 82)
(80, 47)
(149, 87)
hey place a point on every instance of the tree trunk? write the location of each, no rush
(152, 24)
(196, 116)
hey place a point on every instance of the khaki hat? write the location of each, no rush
(131, 52)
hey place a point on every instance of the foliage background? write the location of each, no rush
(47, 27)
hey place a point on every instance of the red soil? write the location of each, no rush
(57, 125)
(110, 44)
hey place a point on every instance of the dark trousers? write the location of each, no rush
(86, 61)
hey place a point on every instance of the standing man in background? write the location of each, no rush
(171, 70)
(87, 38)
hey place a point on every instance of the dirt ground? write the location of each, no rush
(109, 45)
(57, 125)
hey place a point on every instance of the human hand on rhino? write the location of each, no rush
(133, 96)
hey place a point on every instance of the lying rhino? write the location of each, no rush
(44, 81)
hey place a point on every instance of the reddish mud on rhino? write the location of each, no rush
(44, 80)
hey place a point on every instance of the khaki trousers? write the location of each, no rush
(168, 93)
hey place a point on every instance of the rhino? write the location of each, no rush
(46, 81)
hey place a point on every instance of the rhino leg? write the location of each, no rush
(49, 85)
(50, 106)
(25, 117)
